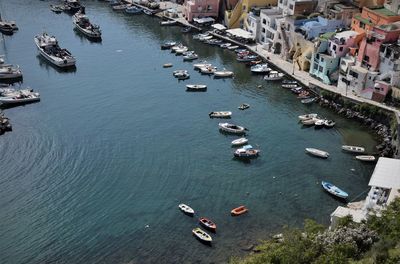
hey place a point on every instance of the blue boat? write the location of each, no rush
(332, 189)
(133, 10)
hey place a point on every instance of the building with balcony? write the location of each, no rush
(252, 24)
(297, 7)
(200, 8)
(371, 17)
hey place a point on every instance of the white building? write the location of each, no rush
(270, 35)
(385, 186)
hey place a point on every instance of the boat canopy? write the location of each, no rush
(241, 33)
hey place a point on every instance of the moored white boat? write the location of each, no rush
(329, 123)
(366, 158)
(232, 47)
(22, 97)
(51, 51)
(196, 87)
(353, 149)
(82, 23)
(190, 57)
(223, 73)
(10, 72)
(220, 114)
(231, 128)
(308, 100)
(168, 23)
(289, 84)
(225, 45)
(246, 153)
(208, 70)
(317, 152)
(260, 68)
(307, 116)
(239, 141)
(243, 106)
(309, 122)
(186, 209)
(201, 235)
(319, 123)
(274, 76)
(201, 64)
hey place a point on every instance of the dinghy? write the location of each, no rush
(186, 209)
(239, 210)
(207, 223)
(307, 116)
(239, 141)
(202, 235)
(231, 128)
(365, 158)
(246, 153)
(353, 149)
(220, 114)
(196, 87)
(332, 189)
(317, 152)
(223, 73)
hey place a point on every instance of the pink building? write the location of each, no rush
(200, 8)
(368, 54)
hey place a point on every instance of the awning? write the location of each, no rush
(386, 174)
(241, 33)
(204, 20)
(218, 26)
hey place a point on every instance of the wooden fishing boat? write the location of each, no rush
(207, 223)
(239, 210)
(317, 152)
(366, 158)
(202, 235)
(353, 149)
(220, 114)
(186, 209)
(334, 190)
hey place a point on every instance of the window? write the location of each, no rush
(262, 39)
(209, 7)
(334, 47)
(322, 59)
(263, 30)
(244, 8)
(354, 74)
(362, 25)
(320, 69)
(291, 7)
(315, 66)
(366, 58)
(264, 21)
(341, 49)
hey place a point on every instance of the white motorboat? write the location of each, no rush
(196, 87)
(220, 114)
(201, 64)
(317, 152)
(366, 158)
(177, 46)
(319, 123)
(309, 122)
(10, 72)
(274, 76)
(201, 235)
(190, 57)
(354, 149)
(21, 98)
(239, 141)
(329, 123)
(205, 38)
(243, 106)
(231, 128)
(168, 23)
(181, 50)
(176, 73)
(307, 116)
(168, 45)
(260, 68)
(225, 45)
(208, 70)
(186, 209)
(82, 23)
(51, 51)
(233, 47)
(223, 73)
(246, 153)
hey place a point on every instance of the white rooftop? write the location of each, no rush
(357, 214)
(238, 32)
(345, 34)
(386, 174)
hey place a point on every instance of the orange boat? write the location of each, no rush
(207, 223)
(239, 210)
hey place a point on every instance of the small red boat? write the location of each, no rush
(239, 210)
(207, 223)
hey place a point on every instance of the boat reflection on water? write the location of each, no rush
(43, 63)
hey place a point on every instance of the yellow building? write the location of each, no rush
(236, 13)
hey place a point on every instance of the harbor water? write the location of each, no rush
(94, 172)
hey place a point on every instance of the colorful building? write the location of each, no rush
(200, 8)
(371, 17)
(297, 7)
(314, 29)
(237, 16)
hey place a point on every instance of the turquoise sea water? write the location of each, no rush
(117, 144)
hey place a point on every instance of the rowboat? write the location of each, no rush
(220, 114)
(239, 210)
(223, 73)
(307, 116)
(240, 141)
(231, 128)
(207, 223)
(186, 209)
(201, 235)
(365, 158)
(319, 123)
(308, 100)
(317, 152)
(196, 87)
(246, 153)
(353, 149)
(167, 65)
(332, 189)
